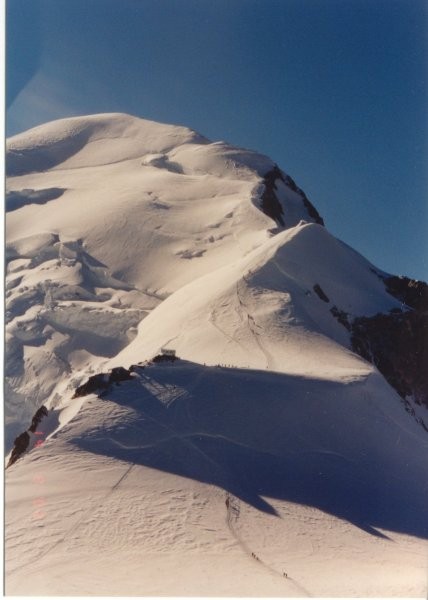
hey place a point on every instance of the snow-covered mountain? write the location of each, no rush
(283, 451)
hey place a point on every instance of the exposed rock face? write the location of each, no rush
(397, 343)
(320, 293)
(21, 443)
(93, 384)
(341, 316)
(97, 383)
(102, 381)
(118, 374)
(38, 417)
(164, 358)
(271, 205)
(412, 292)
(312, 211)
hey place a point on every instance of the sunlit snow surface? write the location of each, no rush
(293, 457)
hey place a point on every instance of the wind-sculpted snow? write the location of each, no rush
(63, 312)
(216, 425)
(90, 141)
(258, 440)
(172, 195)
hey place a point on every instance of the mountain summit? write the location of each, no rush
(194, 361)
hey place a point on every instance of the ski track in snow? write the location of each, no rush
(252, 325)
(213, 318)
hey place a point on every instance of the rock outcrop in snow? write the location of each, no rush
(397, 344)
(276, 186)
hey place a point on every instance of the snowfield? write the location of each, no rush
(268, 459)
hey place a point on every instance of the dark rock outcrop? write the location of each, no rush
(341, 316)
(272, 207)
(38, 417)
(397, 344)
(411, 292)
(102, 381)
(320, 293)
(118, 374)
(312, 211)
(164, 358)
(95, 383)
(21, 443)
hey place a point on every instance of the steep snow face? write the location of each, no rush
(263, 311)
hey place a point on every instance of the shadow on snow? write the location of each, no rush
(261, 435)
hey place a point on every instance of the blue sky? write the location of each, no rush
(335, 91)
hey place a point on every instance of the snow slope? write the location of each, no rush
(192, 480)
(262, 311)
(107, 215)
(271, 448)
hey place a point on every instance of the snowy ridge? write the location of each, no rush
(269, 452)
(149, 207)
(80, 142)
(254, 312)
